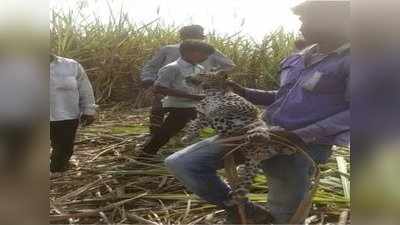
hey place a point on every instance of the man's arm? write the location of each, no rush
(87, 103)
(151, 68)
(177, 93)
(331, 126)
(259, 97)
(255, 96)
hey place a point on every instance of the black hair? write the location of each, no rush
(196, 46)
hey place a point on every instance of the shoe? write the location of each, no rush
(59, 169)
(139, 150)
(141, 143)
(255, 214)
(139, 153)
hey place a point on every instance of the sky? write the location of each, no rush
(253, 18)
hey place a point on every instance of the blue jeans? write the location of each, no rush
(288, 176)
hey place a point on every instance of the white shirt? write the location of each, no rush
(71, 93)
(174, 76)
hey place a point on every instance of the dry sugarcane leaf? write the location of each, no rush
(94, 212)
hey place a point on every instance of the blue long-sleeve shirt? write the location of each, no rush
(313, 100)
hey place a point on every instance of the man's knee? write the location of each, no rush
(169, 163)
(175, 164)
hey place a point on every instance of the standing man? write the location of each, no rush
(181, 96)
(169, 54)
(312, 103)
(72, 103)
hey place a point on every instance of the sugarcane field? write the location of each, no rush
(159, 116)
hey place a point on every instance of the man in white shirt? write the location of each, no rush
(72, 103)
(180, 96)
(170, 53)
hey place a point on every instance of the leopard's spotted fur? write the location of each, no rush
(231, 115)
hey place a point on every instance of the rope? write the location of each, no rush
(232, 176)
(304, 206)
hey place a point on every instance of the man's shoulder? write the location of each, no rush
(289, 60)
(171, 68)
(65, 60)
(171, 47)
(296, 55)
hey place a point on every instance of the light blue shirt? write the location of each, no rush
(173, 76)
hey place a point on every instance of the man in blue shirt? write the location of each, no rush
(312, 103)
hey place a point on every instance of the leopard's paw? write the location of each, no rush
(259, 134)
(187, 139)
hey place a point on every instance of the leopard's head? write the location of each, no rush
(209, 81)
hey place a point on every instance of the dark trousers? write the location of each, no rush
(176, 120)
(62, 137)
(156, 114)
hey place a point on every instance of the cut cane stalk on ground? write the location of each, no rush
(134, 177)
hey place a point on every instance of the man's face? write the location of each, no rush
(317, 27)
(197, 57)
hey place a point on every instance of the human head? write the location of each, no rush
(194, 51)
(324, 20)
(192, 32)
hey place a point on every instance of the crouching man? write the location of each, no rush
(312, 103)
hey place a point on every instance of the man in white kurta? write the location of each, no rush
(72, 103)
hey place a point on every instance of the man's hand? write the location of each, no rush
(178, 93)
(280, 132)
(86, 120)
(237, 88)
(147, 83)
(276, 133)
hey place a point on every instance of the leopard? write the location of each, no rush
(231, 115)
